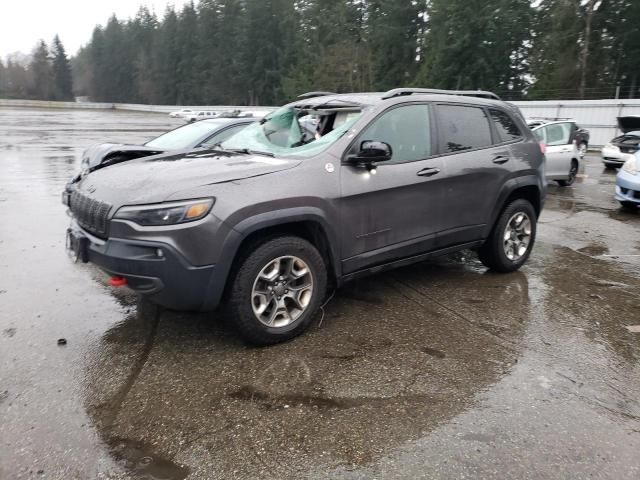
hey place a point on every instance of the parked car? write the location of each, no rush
(181, 113)
(205, 114)
(186, 137)
(617, 151)
(563, 157)
(579, 134)
(198, 115)
(275, 215)
(628, 182)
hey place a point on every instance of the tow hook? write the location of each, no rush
(117, 281)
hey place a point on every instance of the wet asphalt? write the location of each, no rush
(438, 370)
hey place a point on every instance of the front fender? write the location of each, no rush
(262, 221)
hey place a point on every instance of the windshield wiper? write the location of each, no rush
(248, 151)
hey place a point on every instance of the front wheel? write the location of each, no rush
(277, 289)
(512, 238)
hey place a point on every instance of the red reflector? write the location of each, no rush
(543, 147)
(117, 281)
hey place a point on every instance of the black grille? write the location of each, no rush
(90, 214)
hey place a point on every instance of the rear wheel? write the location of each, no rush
(573, 173)
(511, 240)
(277, 289)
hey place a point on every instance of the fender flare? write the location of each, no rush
(510, 186)
(261, 221)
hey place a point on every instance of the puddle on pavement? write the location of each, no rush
(142, 463)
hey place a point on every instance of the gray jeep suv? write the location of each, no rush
(321, 191)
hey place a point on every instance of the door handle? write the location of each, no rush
(428, 172)
(500, 159)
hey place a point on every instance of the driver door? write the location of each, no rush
(396, 209)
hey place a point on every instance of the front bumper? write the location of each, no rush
(613, 157)
(627, 187)
(156, 270)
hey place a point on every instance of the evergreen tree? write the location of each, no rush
(62, 81)
(40, 73)
(471, 44)
(186, 73)
(393, 32)
(165, 56)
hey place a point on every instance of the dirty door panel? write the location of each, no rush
(397, 211)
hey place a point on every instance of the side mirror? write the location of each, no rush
(371, 152)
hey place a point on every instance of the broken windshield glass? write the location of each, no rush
(282, 134)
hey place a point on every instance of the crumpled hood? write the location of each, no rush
(156, 178)
(630, 123)
(95, 155)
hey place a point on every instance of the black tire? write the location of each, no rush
(492, 253)
(609, 166)
(631, 206)
(250, 264)
(573, 172)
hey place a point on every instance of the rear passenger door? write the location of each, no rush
(474, 144)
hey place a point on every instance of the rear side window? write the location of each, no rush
(406, 129)
(462, 128)
(505, 126)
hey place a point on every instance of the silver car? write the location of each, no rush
(563, 157)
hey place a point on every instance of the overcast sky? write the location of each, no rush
(24, 22)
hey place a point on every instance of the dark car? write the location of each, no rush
(618, 150)
(276, 215)
(184, 138)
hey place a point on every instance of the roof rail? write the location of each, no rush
(397, 92)
(314, 94)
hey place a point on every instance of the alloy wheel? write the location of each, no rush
(282, 291)
(517, 236)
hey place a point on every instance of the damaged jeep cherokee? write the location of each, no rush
(321, 191)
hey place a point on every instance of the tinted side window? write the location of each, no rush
(406, 129)
(505, 126)
(462, 128)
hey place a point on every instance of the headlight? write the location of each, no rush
(631, 166)
(611, 147)
(169, 213)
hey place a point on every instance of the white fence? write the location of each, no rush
(597, 116)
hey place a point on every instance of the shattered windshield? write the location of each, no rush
(292, 131)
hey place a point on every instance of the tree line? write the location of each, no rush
(248, 52)
(47, 76)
